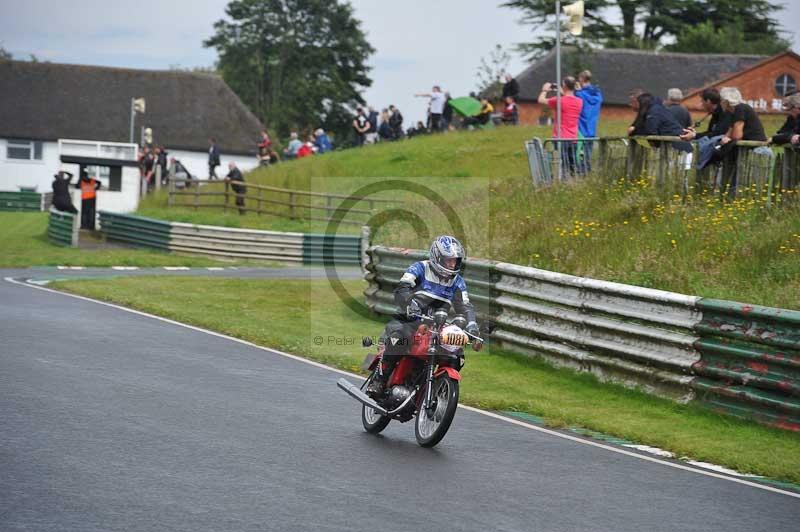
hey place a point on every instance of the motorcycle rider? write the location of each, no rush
(426, 285)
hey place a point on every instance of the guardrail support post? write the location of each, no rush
(366, 238)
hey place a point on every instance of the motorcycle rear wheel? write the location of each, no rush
(432, 424)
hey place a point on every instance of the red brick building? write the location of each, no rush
(762, 85)
(762, 80)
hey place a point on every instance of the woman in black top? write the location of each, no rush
(746, 124)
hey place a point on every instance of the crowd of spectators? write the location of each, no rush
(580, 103)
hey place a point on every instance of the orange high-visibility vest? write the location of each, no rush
(88, 189)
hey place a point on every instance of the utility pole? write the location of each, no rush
(133, 116)
(558, 86)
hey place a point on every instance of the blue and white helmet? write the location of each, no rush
(446, 247)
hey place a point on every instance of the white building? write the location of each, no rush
(42, 104)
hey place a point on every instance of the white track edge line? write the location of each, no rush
(465, 407)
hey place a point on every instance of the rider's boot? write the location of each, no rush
(377, 386)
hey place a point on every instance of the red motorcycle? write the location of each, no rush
(424, 383)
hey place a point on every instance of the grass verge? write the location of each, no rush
(295, 315)
(24, 243)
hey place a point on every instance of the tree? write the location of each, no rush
(705, 38)
(294, 63)
(649, 24)
(5, 55)
(491, 70)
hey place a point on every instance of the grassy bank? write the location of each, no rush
(23, 243)
(601, 228)
(290, 315)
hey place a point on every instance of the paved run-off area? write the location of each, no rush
(111, 420)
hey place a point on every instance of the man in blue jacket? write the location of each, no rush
(592, 98)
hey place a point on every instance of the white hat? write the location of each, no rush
(731, 95)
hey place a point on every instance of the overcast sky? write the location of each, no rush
(419, 43)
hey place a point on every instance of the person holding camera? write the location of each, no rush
(571, 107)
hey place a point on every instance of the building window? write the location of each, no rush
(27, 150)
(785, 84)
(109, 176)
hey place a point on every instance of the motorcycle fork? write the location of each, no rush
(426, 403)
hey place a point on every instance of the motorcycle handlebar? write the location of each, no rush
(428, 319)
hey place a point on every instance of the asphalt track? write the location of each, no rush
(112, 420)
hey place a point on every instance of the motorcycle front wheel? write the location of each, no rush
(433, 422)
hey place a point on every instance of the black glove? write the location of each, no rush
(413, 308)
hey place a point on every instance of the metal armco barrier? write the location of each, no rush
(750, 361)
(331, 249)
(233, 243)
(25, 201)
(683, 347)
(63, 228)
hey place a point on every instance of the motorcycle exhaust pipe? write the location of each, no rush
(360, 396)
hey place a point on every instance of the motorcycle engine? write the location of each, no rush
(397, 395)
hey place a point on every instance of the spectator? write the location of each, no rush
(161, 162)
(720, 120)
(746, 124)
(290, 152)
(148, 163)
(88, 187)
(264, 148)
(436, 106)
(483, 116)
(652, 118)
(571, 107)
(396, 122)
(510, 112)
(322, 142)
(273, 157)
(61, 197)
(592, 98)
(236, 179)
(361, 126)
(510, 87)
(419, 130)
(372, 135)
(385, 131)
(447, 113)
(678, 110)
(213, 158)
(305, 149)
(789, 133)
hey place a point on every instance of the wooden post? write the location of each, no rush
(170, 191)
(196, 196)
(327, 207)
(259, 201)
(225, 207)
(291, 205)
